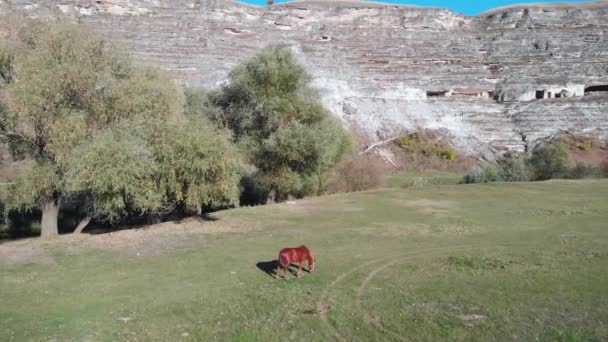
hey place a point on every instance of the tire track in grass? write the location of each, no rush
(371, 319)
(323, 302)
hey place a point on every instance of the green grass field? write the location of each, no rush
(506, 262)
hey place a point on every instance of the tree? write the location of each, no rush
(70, 85)
(112, 174)
(198, 166)
(548, 160)
(275, 117)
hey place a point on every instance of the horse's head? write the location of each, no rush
(311, 261)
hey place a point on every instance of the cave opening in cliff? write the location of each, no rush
(439, 93)
(540, 94)
(597, 88)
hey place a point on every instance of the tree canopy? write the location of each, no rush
(276, 118)
(119, 139)
(111, 133)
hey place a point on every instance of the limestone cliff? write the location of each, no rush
(497, 81)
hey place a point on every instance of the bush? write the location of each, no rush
(358, 174)
(252, 192)
(514, 170)
(438, 150)
(604, 168)
(582, 170)
(408, 142)
(548, 161)
(585, 145)
(484, 174)
(448, 154)
(424, 143)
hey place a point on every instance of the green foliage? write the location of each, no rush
(421, 142)
(548, 161)
(279, 123)
(199, 106)
(408, 142)
(117, 171)
(514, 170)
(582, 170)
(435, 149)
(197, 166)
(19, 145)
(585, 145)
(448, 154)
(570, 141)
(108, 133)
(483, 174)
(507, 170)
(38, 184)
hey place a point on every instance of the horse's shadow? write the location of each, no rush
(269, 267)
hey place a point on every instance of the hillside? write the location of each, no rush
(498, 81)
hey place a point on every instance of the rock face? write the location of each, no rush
(498, 81)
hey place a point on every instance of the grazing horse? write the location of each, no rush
(295, 255)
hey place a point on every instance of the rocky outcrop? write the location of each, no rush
(498, 81)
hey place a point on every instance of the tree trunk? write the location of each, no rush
(50, 214)
(82, 225)
(271, 196)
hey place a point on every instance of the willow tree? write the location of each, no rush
(69, 85)
(277, 119)
(112, 175)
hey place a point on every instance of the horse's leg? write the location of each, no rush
(300, 269)
(285, 272)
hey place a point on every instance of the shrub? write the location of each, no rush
(585, 145)
(408, 142)
(448, 154)
(514, 170)
(361, 173)
(548, 161)
(604, 168)
(424, 143)
(440, 151)
(582, 170)
(483, 174)
(252, 192)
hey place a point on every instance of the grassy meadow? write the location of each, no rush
(484, 262)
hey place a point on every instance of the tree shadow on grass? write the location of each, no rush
(145, 222)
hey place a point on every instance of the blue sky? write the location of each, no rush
(468, 7)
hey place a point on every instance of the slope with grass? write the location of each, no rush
(517, 261)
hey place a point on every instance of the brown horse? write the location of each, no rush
(295, 255)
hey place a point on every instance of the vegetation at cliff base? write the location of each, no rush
(110, 140)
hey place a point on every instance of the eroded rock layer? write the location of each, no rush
(497, 81)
